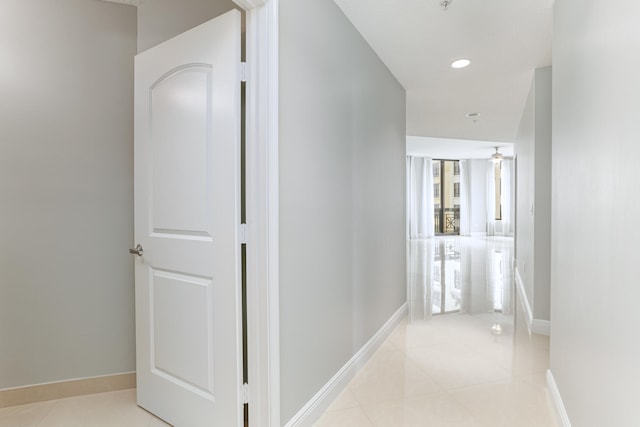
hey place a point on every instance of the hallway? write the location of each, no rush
(477, 365)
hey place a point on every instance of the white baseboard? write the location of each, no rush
(524, 301)
(478, 234)
(536, 326)
(558, 404)
(541, 327)
(315, 407)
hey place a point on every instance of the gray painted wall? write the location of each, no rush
(525, 152)
(66, 190)
(542, 205)
(596, 323)
(342, 199)
(533, 149)
(159, 20)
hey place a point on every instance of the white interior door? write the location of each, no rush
(187, 215)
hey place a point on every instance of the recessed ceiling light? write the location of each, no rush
(460, 63)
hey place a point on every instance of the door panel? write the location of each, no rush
(187, 214)
(182, 345)
(181, 136)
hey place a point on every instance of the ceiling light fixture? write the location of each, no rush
(473, 116)
(460, 63)
(497, 157)
(444, 4)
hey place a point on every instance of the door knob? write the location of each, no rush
(137, 250)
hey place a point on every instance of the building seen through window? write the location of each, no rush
(446, 196)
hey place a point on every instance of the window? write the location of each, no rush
(446, 187)
(456, 168)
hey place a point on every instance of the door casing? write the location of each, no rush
(261, 157)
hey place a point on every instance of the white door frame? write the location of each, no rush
(261, 177)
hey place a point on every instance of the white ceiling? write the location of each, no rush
(129, 2)
(505, 40)
(443, 148)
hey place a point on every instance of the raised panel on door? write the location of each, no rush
(181, 343)
(181, 138)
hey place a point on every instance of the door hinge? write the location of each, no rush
(244, 393)
(243, 72)
(243, 234)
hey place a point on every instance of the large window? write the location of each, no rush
(446, 196)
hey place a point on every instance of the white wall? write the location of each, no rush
(533, 150)
(66, 190)
(595, 209)
(342, 199)
(159, 20)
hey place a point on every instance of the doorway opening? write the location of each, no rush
(446, 196)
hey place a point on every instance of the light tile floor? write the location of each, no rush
(451, 370)
(116, 408)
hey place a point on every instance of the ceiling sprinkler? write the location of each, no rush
(445, 4)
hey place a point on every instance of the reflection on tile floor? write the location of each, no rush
(475, 366)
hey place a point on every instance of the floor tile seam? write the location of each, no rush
(471, 410)
(105, 400)
(467, 408)
(477, 384)
(521, 376)
(366, 414)
(494, 364)
(428, 345)
(427, 373)
(405, 399)
(42, 422)
(347, 388)
(474, 348)
(341, 410)
(470, 355)
(15, 415)
(417, 396)
(487, 357)
(355, 395)
(493, 354)
(477, 416)
(529, 390)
